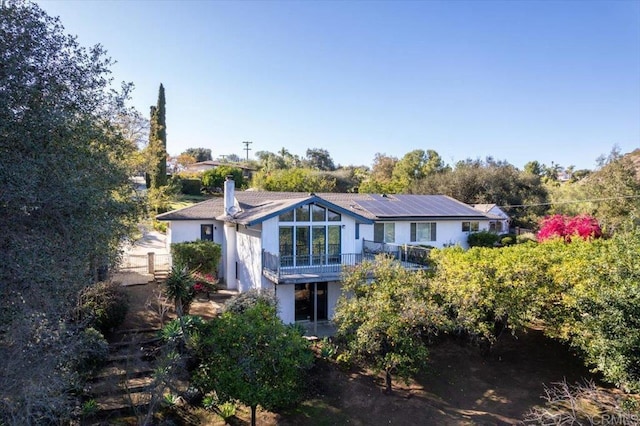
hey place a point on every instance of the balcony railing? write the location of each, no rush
(409, 255)
(329, 267)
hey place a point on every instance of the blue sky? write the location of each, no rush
(516, 80)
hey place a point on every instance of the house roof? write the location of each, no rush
(257, 206)
(486, 209)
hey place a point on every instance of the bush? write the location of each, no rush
(243, 301)
(103, 306)
(191, 186)
(201, 255)
(91, 353)
(160, 226)
(173, 333)
(482, 239)
(507, 239)
(526, 238)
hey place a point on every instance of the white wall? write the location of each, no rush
(286, 303)
(249, 247)
(447, 233)
(334, 290)
(180, 231)
(189, 230)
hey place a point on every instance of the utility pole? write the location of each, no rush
(246, 148)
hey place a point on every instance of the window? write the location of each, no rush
(286, 245)
(303, 240)
(423, 232)
(302, 214)
(470, 226)
(286, 216)
(311, 237)
(495, 226)
(333, 216)
(206, 232)
(384, 232)
(317, 213)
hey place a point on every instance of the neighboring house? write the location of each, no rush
(297, 243)
(499, 221)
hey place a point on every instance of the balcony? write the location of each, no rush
(329, 267)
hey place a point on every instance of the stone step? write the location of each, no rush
(113, 387)
(136, 340)
(141, 369)
(117, 406)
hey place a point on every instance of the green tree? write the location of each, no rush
(617, 184)
(158, 142)
(200, 154)
(492, 182)
(294, 180)
(66, 203)
(213, 179)
(380, 181)
(319, 159)
(250, 356)
(387, 318)
(414, 166)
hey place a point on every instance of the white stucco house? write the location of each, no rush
(499, 221)
(297, 243)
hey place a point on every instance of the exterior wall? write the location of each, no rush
(189, 230)
(286, 303)
(180, 231)
(447, 233)
(249, 266)
(334, 290)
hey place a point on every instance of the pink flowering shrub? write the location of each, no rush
(566, 227)
(204, 282)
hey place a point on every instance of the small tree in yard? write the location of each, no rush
(560, 226)
(387, 321)
(252, 357)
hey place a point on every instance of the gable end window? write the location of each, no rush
(470, 226)
(423, 231)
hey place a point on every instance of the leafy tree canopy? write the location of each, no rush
(387, 321)
(199, 154)
(250, 356)
(66, 200)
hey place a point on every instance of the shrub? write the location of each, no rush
(214, 179)
(243, 301)
(173, 332)
(103, 306)
(526, 238)
(482, 239)
(91, 353)
(507, 239)
(160, 226)
(200, 255)
(191, 186)
(559, 226)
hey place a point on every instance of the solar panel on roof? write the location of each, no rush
(416, 205)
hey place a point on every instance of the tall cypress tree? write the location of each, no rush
(158, 142)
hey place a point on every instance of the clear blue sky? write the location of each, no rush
(517, 80)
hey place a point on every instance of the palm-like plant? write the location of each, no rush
(179, 287)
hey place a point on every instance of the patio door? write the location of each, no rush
(311, 302)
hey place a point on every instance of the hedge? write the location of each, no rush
(200, 255)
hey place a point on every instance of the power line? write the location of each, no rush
(592, 200)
